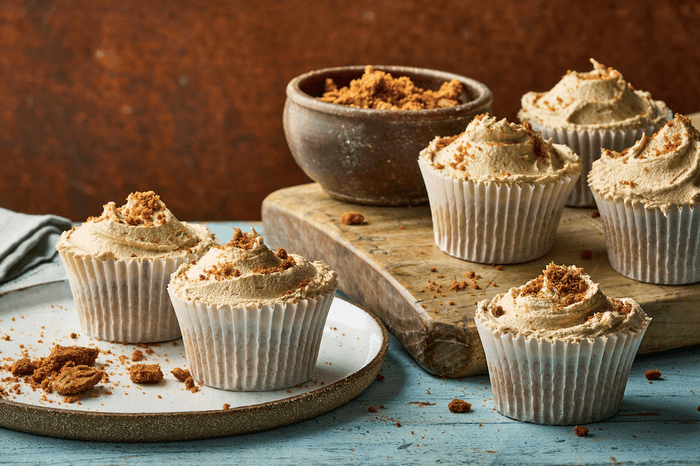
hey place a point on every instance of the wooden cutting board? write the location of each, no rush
(385, 266)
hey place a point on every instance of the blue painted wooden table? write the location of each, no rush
(659, 423)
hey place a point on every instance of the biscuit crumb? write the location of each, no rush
(459, 406)
(352, 218)
(372, 409)
(137, 356)
(181, 374)
(586, 254)
(380, 377)
(78, 354)
(652, 374)
(59, 357)
(73, 380)
(145, 373)
(190, 385)
(22, 367)
(226, 406)
(498, 312)
(581, 431)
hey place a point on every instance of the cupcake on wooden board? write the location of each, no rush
(647, 196)
(558, 350)
(119, 265)
(252, 319)
(592, 111)
(497, 191)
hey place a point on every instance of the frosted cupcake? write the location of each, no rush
(497, 191)
(593, 111)
(252, 319)
(558, 350)
(119, 265)
(647, 198)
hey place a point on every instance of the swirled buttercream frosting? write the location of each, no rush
(142, 228)
(658, 171)
(561, 304)
(246, 272)
(597, 99)
(490, 150)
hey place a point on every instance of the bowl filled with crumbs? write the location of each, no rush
(358, 130)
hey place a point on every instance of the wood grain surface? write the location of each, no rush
(385, 265)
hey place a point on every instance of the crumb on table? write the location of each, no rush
(459, 406)
(352, 218)
(581, 431)
(652, 374)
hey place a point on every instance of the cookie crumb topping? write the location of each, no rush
(570, 285)
(241, 240)
(141, 208)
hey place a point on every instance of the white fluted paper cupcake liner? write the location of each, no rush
(645, 245)
(494, 223)
(124, 300)
(588, 145)
(558, 383)
(253, 348)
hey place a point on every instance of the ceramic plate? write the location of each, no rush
(35, 319)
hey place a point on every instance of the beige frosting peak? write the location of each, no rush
(658, 171)
(490, 150)
(142, 228)
(245, 272)
(597, 99)
(561, 304)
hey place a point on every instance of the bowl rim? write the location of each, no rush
(483, 99)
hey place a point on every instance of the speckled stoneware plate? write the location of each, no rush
(35, 319)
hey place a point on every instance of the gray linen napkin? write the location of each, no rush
(27, 240)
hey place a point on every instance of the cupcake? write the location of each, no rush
(252, 319)
(647, 198)
(593, 111)
(497, 191)
(558, 350)
(119, 265)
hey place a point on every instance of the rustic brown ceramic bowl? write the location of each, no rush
(370, 156)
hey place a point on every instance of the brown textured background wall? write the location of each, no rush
(98, 99)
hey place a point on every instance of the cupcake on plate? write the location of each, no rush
(593, 111)
(119, 265)
(647, 196)
(252, 319)
(497, 191)
(558, 350)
